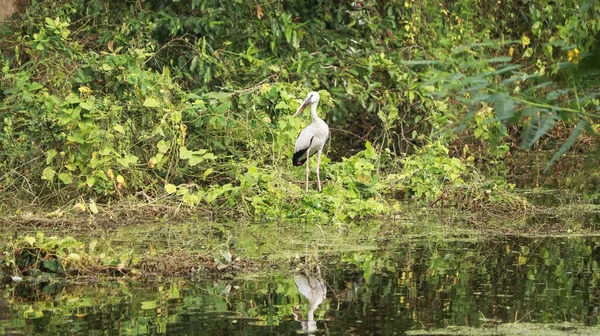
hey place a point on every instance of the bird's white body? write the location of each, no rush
(313, 138)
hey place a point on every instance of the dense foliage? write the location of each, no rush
(192, 100)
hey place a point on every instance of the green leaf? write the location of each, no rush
(35, 86)
(30, 240)
(119, 128)
(76, 137)
(48, 174)
(281, 105)
(65, 178)
(127, 160)
(176, 117)
(72, 99)
(207, 172)
(149, 305)
(170, 188)
(184, 153)
(51, 265)
(163, 146)
(50, 155)
(151, 102)
(194, 63)
(87, 105)
(195, 159)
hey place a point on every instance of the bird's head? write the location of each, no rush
(312, 98)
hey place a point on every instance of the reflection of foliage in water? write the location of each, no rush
(433, 284)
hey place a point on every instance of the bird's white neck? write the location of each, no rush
(313, 112)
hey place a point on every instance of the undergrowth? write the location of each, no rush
(166, 102)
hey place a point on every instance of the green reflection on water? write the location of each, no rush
(421, 284)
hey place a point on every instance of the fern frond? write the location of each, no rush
(581, 125)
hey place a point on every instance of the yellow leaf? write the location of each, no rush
(511, 51)
(79, 207)
(93, 207)
(111, 46)
(110, 174)
(74, 256)
(30, 240)
(525, 41)
(170, 188)
(120, 179)
(85, 89)
(92, 245)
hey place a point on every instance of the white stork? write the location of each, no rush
(312, 138)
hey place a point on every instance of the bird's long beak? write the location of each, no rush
(304, 104)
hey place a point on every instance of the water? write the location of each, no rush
(421, 285)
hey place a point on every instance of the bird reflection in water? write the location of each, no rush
(312, 286)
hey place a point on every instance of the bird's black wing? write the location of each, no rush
(300, 155)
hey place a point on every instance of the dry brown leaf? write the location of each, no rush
(259, 11)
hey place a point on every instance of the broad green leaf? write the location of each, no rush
(51, 265)
(149, 305)
(163, 146)
(35, 86)
(119, 128)
(48, 174)
(191, 199)
(90, 181)
(87, 105)
(50, 155)
(176, 117)
(195, 159)
(127, 160)
(170, 188)
(151, 102)
(65, 178)
(184, 153)
(72, 99)
(76, 137)
(281, 105)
